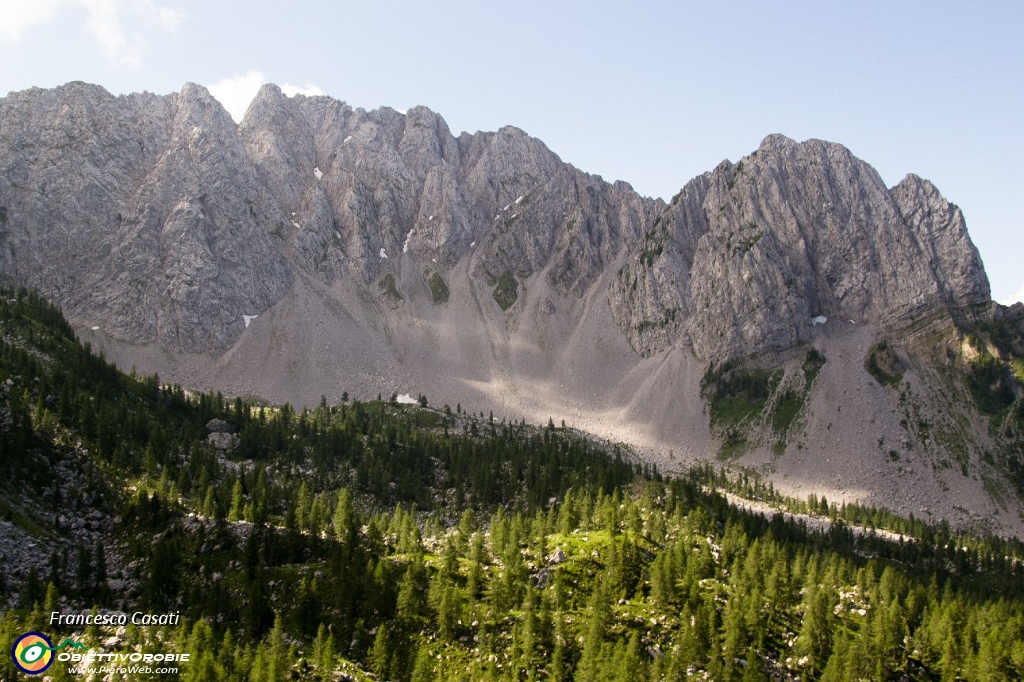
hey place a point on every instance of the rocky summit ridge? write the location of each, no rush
(744, 256)
(316, 248)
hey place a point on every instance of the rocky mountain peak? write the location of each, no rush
(788, 233)
(268, 102)
(196, 93)
(775, 141)
(181, 221)
(946, 247)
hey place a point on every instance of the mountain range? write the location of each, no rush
(787, 313)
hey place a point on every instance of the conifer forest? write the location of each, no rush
(373, 540)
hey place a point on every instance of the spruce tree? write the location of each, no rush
(381, 653)
(423, 668)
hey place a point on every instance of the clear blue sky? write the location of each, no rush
(651, 93)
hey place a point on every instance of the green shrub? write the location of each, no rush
(438, 288)
(506, 291)
(736, 395)
(812, 364)
(787, 408)
(1017, 367)
(990, 384)
(388, 286)
(883, 364)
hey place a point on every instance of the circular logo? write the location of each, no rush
(32, 653)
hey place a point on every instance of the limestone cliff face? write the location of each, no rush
(359, 184)
(160, 219)
(746, 256)
(142, 213)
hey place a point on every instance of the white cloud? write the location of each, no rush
(1014, 298)
(168, 17)
(236, 93)
(105, 19)
(105, 23)
(18, 15)
(309, 90)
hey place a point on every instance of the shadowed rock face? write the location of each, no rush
(159, 218)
